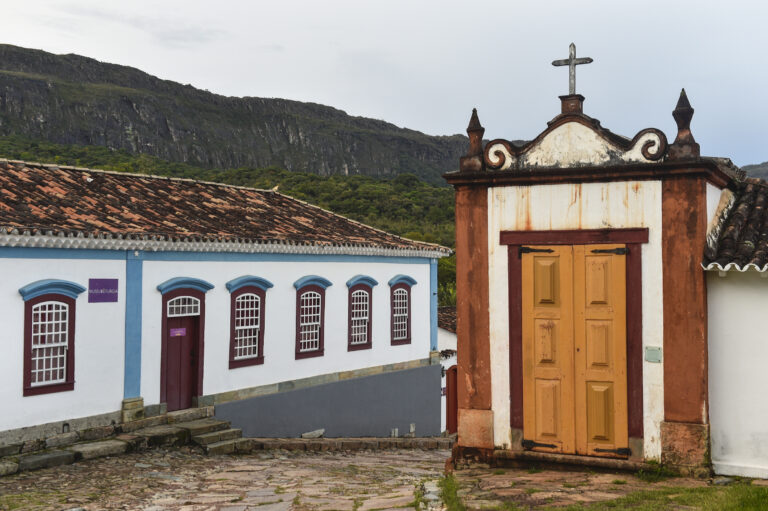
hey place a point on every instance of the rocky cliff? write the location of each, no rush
(70, 99)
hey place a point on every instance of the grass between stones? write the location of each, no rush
(449, 488)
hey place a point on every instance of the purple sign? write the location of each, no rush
(102, 290)
(178, 332)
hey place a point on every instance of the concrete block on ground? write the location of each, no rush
(10, 449)
(135, 442)
(202, 426)
(62, 440)
(38, 444)
(351, 444)
(290, 444)
(46, 460)
(8, 467)
(164, 435)
(98, 449)
(318, 433)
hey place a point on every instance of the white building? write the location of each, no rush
(129, 295)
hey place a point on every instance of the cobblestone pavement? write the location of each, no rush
(268, 481)
(487, 488)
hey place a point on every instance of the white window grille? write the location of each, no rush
(400, 315)
(309, 321)
(183, 306)
(360, 316)
(247, 325)
(50, 341)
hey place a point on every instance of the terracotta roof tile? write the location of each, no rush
(446, 318)
(743, 238)
(73, 201)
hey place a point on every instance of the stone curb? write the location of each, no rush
(176, 435)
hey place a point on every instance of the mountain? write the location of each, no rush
(75, 100)
(757, 170)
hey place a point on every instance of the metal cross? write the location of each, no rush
(571, 62)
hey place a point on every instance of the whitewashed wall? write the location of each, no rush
(280, 318)
(577, 206)
(738, 364)
(99, 343)
(446, 340)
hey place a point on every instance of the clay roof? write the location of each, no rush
(76, 203)
(446, 318)
(740, 239)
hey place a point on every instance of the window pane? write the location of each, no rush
(247, 326)
(309, 321)
(360, 305)
(400, 315)
(50, 340)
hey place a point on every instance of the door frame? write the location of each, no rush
(633, 238)
(184, 291)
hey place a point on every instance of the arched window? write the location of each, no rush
(400, 306)
(247, 320)
(49, 336)
(310, 316)
(359, 330)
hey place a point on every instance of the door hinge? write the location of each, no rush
(617, 251)
(530, 444)
(528, 250)
(621, 451)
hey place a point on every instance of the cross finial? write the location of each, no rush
(571, 62)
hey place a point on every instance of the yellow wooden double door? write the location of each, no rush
(574, 349)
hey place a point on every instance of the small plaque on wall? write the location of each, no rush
(102, 290)
(652, 354)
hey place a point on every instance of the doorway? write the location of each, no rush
(574, 349)
(181, 365)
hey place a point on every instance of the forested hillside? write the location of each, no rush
(74, 100)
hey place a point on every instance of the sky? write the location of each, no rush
(424, 64)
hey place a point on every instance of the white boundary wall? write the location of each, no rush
(738, 365)
(577, 206)
(99, 343)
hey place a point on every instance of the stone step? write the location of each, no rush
(201, 426)
(46, 460)
(190, 414)
(217, 436)
(101, 449)
(164, 435)
(223, 447)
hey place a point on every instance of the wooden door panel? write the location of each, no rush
(548, 406)
(599, 345)
(548, 348)
(600, 423)
(600, 388)
(181, 362)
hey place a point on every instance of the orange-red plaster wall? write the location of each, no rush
(684, 211)
(473, 338)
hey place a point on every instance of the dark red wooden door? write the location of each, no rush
(451, 400)
(181, 369)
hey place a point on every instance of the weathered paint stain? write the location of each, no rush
(577, 206)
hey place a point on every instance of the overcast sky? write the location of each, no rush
(424, 64)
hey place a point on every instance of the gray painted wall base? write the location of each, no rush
(367, 406)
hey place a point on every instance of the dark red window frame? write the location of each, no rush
(69, 383)
(259, 358)
(320, 350)
(407, 340)
(363, 346)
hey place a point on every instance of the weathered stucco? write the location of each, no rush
(577, 206)
(574, 144)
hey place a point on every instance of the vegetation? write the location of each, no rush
(404, 205)
(449, 489)
(740, 496)
(655, 473)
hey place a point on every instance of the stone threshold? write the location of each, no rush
(502, 457)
